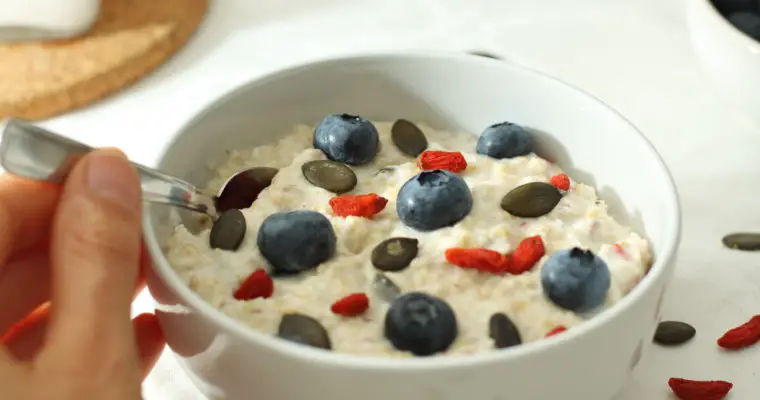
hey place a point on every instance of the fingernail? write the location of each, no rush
(110, 176)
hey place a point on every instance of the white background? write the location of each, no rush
(633, 54)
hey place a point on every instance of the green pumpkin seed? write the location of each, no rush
(228, 230)
(503, 331)
(330, 175)
(303, 329)
(394, 254)
(531, 200)
(671, 333)
(408, 138)
(742, 241)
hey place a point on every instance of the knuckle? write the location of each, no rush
(102, 233)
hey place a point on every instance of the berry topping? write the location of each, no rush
(526, 255)
(347, 138)
(351, 305)
(257, 285)
(303, 329)
(296, 241)
(504, 140)
(421, 324)
(433, 200)
(483, 260)
(435, 159)
(555, 331)
(575, 279)
(363, 205)
(560, 181)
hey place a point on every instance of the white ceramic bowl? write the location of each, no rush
(454, 92)
(729, 58)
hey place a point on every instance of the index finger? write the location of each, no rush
(26, 213)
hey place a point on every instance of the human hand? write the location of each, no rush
(70, 262)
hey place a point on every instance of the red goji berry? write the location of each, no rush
(686, 389)
(483, 260)
(526, 255)
(435, 159)
(258, 284)
(362, 205)
(742, 336)
(621, 251)
(351, 305)
(560, 181)
(555, 331)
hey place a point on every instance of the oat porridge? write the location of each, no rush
(395, 239)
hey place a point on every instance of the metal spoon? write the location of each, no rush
(32, 152)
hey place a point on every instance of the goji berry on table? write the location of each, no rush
(483, 260)
(742, 336)
(362, 205)
(556, 331)
(686, 389)
(560, 181)
(258, 284)
(435, 159)
(526, 255)
(351, 305)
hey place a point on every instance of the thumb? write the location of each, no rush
(95, 253)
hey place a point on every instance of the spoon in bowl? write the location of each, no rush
(32, 152)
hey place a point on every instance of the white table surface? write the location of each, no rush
(634, 54)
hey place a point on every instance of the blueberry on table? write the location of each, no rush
(420, 324)
(504, 140)
(433, 199)
(747, 22)
(347, 138)
(575, 279)
(296, 241)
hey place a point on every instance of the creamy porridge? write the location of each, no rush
(460, 248)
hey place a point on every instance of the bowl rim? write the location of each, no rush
(708, 9)
(231, 326)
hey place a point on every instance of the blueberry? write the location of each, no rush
(347, 138)
(296, 241)
(504, 140)
(747, 22)
(420, 323)
(575, 279)
(433, 199)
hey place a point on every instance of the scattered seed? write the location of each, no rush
(228, 230)
(408, 138)
(485, 54)
(742, 241)
(303, 329)
(330, 175)
(503, 331)
(394, 254)
(244, 187)
(531, 200)
(385, 288)
(671, 333)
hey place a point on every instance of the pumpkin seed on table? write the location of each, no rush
(244, 187)
(330, 175)
(394, 254)
(742, 241)
(408, 138)
(228, 230)
(531, 200)
(303, 329)
(671, 333)
(503, 331)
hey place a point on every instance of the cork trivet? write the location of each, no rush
(130, 38)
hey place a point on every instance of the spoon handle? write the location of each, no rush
(32, 152)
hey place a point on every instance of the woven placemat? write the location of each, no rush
(130, 38)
